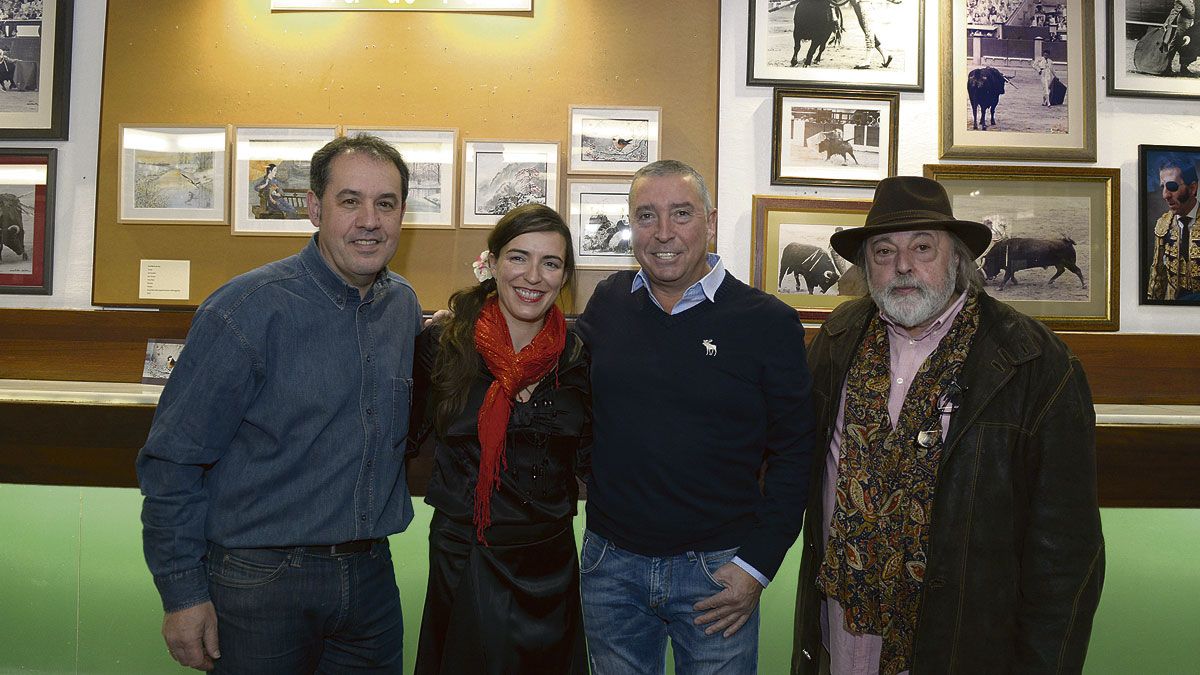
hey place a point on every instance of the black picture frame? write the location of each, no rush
(1128, 19)
(25, 66)
(27, 192)
(1152, 206)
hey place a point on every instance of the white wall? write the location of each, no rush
(75, 205)
(1122, 124)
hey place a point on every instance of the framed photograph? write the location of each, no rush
(833, 138)
(173, 174)
(1152, 51)
(270, 178)
(430, 155)
(1018, 80)
(1055, 238)
(406, 6)
(27, 220)
(1168, 238)
(616, 141)
(161, 356)
(791, 256)
(601, 231)
(851, 44)
(499, 175)
(35, 69)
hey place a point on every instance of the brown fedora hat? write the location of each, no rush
(904, 203)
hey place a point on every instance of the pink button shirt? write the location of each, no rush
(854, 653)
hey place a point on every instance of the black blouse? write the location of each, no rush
(549, 437)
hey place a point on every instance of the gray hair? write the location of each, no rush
(674, 167)
(967, 274)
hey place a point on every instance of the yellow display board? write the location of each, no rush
(509, 76)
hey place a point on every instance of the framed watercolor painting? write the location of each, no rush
(35, 70)
(791, 256)
(616, 141)
(829, 137)
(601, 231)
(856, 44)
(499, 175)
(270, 178)
(430, 155)
(27, 185)
(1055, 238)
(173, 174)
(1168, 236)
(1018, 80)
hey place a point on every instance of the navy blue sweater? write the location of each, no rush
(687, 408)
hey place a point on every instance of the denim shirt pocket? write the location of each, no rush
(401, 405)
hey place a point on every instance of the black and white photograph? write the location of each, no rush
(161, 356)
(808, 264)
(1153, 49)
(833, 137)
(26, 220)
(270, 178)
(601, 231)
(430, 155)
(1052, 253)
(1020, 85)
(844, 44)
(501, 175)
(173, 174)
(613, 141)
(35, 63)
(406, 6)
(1168, 239)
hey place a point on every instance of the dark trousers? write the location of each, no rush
(289, 611)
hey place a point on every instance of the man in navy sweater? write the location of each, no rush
(700, 386)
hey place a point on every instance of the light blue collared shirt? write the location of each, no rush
(705, 289)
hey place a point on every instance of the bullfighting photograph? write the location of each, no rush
(1168, 237)
(833, 138)
(1052, 253)
(26, 220)
(1019, 84)
(846, 44)
(1153, 49)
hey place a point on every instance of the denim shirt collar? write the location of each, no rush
(332, 284)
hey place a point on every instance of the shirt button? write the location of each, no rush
(369, 463)
(363, 517)
(899, 380)
(368, 359)
(912, 342)
(370, 411)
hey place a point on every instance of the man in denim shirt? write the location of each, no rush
(274, 470)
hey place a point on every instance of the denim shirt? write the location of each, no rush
(283, 423)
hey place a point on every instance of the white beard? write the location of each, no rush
(915, 309)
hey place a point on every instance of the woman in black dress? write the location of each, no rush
(504, 388)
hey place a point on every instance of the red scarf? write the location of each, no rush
(513, 372)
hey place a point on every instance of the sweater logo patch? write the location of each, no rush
(710, 349)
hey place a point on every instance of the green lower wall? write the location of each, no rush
(75, 596)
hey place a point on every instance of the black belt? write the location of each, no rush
(344, 548)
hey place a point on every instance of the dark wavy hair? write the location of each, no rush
(457, 361)
(318, 170)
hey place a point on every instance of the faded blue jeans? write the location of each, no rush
(632, 603)
(282, 610)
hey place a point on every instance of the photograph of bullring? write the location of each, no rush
(830, 143)
(20, 55)
(1154, 48)
(865, 44)
(1016, 53)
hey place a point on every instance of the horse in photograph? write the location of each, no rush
(1054, 92)
(813, 263)
(12, 228)
(815, 21)
(1020, 253)
(833, 144)
(984, 88)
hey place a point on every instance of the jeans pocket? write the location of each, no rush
(711, 561)
(401, 405)
(234, 571)
(592, 552)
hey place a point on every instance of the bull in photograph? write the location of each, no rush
(834, 145)
(814, 21)
(984, 88)
(811, 262)
(12, 228)
(1021, 253)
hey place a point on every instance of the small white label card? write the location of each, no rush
(165, 280)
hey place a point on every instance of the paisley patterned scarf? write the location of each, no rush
(874, 564)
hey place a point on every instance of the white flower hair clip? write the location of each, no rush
(480, 267)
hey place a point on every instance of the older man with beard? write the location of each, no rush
(953, 525)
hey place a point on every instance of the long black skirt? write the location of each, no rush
(509, 608)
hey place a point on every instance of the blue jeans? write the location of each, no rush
(632, 603)
(283, 610)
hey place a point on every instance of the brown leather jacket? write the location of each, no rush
(1016, 556)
